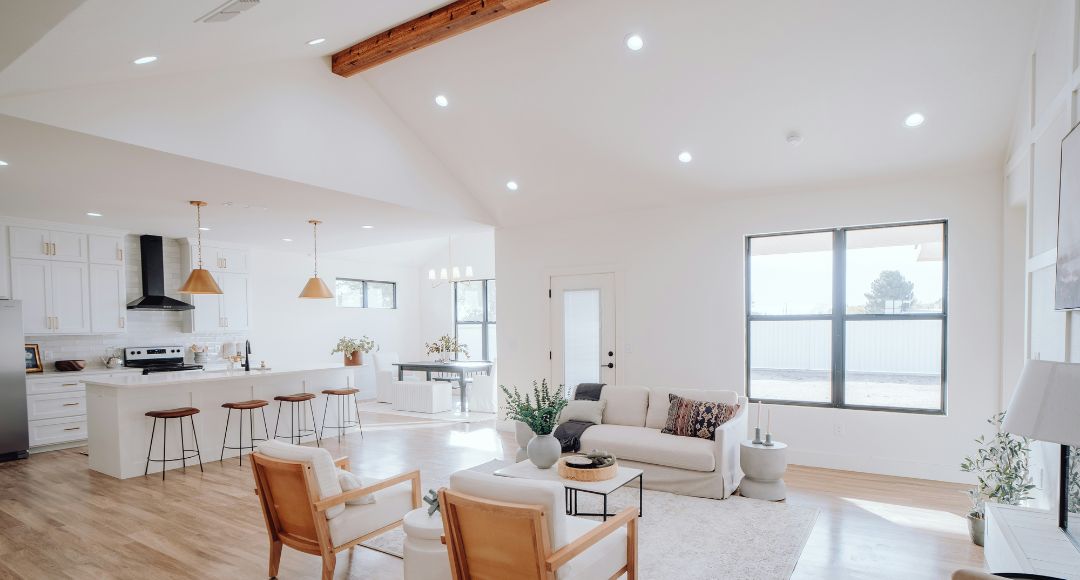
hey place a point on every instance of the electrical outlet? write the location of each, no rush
(838, 430)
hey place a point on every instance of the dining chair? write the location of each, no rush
(305, 508)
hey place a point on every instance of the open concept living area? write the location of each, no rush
(540, 289)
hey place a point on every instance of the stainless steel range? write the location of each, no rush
(157, 359)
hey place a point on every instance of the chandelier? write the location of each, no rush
(450, 272)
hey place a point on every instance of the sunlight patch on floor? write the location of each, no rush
(913, 517)
(480, 440)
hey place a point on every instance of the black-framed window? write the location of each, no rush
(853, 317)
(474, 317)
(353, 293)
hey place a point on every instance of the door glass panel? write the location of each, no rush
(895, 270)
(791, 360)
(581, 341)
(791, 274)
(894, 363)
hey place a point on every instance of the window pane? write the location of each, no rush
(790, 360)
(350, 293)
(895, 270)
(472, 336)
(491, 300)
(581, 342)
(894, 363)
(380, 294)
(470, 301)
(791, 274)
(493, 348)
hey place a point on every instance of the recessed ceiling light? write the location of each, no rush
(441, 100)
(914, 120)
(512, 185)
(635, 42)
(286, 239)
(145, 60)
(685, 157)
(204, 228)
(93, 214)
(315, 41)
(367, 227)
(3, 163)
(794, 139)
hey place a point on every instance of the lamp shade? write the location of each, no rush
(200, 282)
(1046, 404)
(316, 288)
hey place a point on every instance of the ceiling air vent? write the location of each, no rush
(227, 11)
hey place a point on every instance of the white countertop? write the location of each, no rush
(129, 381)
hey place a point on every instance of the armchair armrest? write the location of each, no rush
(412, 476)
(342, 462)
(626, 517)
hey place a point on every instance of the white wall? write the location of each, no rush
(436, 302)
(680, 315)
(1046, 111)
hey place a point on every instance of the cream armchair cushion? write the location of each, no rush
(322, 466)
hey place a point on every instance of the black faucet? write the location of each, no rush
(247, 356)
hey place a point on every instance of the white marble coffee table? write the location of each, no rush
(624, 475)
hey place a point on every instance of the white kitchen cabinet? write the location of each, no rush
(55, 295)
(55, 405)
(206, 317)
(106, 249)
(55, 431)
(231, 260)
(108, 298)
(229, 312)
(235, 302)
(43, 244)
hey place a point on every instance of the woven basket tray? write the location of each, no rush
(595, 474)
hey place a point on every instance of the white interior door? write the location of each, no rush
(583, 329)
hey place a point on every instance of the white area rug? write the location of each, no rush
(452, 416)
(693, 538)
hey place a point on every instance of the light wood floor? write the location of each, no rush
(58, 519)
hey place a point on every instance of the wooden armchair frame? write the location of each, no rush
(522, 530)
(296, 517)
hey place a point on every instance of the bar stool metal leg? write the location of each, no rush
(226, 437)
(150, 448)
(356, 406)
(198, 452)
(183, 448)
(278, 422)
(164, 437)
(318, 440)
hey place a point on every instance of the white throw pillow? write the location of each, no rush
(590, 411)
(350, 481)
(322, 464)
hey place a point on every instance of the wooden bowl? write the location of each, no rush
(70, 365)
(587, 475)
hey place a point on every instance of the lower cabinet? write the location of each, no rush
(59, 430)
(55, 411)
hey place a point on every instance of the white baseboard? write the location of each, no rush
(880, 465)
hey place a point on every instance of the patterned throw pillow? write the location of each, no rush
(696, 418)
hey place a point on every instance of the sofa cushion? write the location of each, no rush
(625, 405)
(690, 418)
(588, 411)
(658, 402)
(651, 446)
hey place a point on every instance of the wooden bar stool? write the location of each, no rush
(250, 407)
(180, 413)
(343, 420)
(296, 430)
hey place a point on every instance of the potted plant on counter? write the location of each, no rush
(445, 346)
(540, 413)
(352, 349)
(1001, 466)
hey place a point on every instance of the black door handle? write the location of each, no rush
(609, 365)
(611, 353)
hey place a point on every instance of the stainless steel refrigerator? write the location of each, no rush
(14, 439)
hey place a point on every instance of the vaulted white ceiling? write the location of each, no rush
(549, 97)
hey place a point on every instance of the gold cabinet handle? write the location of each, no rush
(69, 385)
(72, 428)
(71, 404)
(45, 247)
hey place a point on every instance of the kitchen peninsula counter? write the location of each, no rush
(119, 430)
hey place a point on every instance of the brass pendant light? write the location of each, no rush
(315, 287)
(200, 281)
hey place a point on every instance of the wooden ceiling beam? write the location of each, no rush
(435, 26)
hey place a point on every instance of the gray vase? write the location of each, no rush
(977, 528)
(523, 434)
(544, 451)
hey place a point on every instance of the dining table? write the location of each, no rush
(459, 369)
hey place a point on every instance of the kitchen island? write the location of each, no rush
(119, 430)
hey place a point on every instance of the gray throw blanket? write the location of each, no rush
(569, 433)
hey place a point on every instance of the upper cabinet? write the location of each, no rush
(229, 312)
(108, 298)
(218, 259)
(43, 244)
(55, 296)
(107, 250)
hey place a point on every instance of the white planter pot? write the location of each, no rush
(544, 451)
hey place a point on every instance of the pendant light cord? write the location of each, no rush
(315, 237)
(198, 232)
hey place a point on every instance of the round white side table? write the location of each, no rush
(764, 470)
(425, 555)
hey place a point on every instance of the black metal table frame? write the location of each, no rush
(572, 497)
(460, 371)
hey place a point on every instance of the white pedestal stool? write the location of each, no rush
(764, 468)
(425, 555)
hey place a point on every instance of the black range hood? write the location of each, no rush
(153, 279)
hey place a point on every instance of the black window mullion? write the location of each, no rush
(838, 315)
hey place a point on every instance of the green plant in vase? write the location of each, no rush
(352, 348)
(540, 413)
(1001, 467)
(445, 346)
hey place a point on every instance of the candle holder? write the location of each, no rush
(768, 440)
(757, 436)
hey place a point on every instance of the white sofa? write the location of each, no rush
(632, 420)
